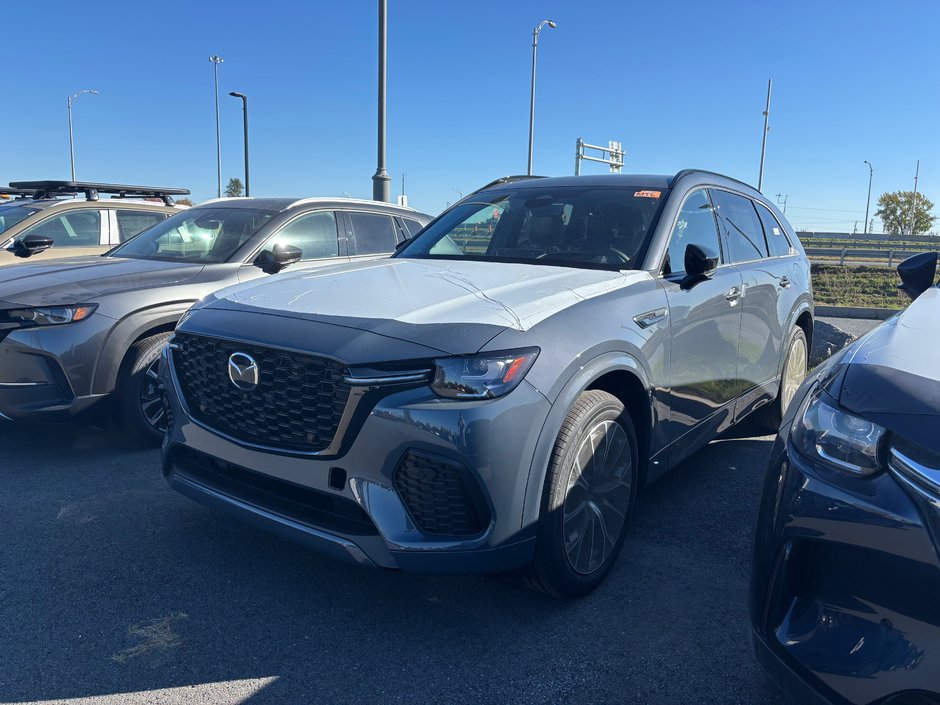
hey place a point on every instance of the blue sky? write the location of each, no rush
(679, 83)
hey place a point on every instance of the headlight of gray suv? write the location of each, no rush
(835, 438)
(485, 376)
(49, 315)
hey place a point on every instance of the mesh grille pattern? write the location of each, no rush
(437, 495)
(297, 404)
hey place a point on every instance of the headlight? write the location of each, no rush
(833, 437)
(484, 376)
(52, 315)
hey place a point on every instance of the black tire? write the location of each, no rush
(554, 570)
(139, 407)
(769, 417)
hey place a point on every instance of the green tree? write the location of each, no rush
(234, 187)
(183, 202)
(895, 211)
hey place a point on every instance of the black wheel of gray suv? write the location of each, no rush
(587, 498)
(769, 417)
(139, 402)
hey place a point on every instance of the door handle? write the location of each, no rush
(733, 294)
(784, 281)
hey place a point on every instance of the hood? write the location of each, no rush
(85, 279)
(892, 375)
(422, 291)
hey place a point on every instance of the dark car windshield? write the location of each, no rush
(208, 235)
(11, 215)
(570, 226)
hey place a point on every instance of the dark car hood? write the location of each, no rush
(892, 375)
(84, 279)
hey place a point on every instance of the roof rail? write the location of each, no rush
(507, 180)
(51, 189)
(17, 192)
(686, 172)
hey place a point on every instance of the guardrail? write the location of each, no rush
(887, 254)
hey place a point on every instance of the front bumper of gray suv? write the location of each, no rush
(408, 480)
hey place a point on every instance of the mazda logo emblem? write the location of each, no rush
(243, 371)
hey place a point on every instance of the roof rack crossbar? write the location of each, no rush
(51, 189)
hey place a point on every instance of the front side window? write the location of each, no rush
(79, 228)
(776, 236)
(695, 225)
(131, 223)
(741, 226)
(314, 234)
(11, 215)
(206, 235)
(373, 234)
(570, 226)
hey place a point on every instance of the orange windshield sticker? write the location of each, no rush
(648, 194)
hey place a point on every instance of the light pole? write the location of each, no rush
(216, 60)
(236, 94)
(71, 144)
(381, 181)
(763, 143)
(453, 188)
(871, 173)
(535, 46)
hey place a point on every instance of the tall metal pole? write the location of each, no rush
(871, 173)
(914, 202)
(535, 47)
(216, 60)
(763, 144)
(381, 188)
(71, 142)
(236, 94)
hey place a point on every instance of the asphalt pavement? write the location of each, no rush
(114, 589)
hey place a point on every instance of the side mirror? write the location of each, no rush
(277, 258)
(700, 263)
(30, 245)
(917, 273)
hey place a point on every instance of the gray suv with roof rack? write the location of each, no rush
(70, 217)
(83, 334)
(541, 352)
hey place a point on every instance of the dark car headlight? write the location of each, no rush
(49, 315)
(485, 376)
(836, 438)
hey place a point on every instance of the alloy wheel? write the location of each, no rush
(795, 372)
(151, 398)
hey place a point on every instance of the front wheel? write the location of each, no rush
(587, 497)
(139, 398)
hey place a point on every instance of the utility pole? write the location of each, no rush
(216, 60)
(914, 202)
(763, 144)
(871, 173)
(784, 201)
(381, 188)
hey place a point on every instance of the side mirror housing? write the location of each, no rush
(277, 258)
(917, 273)
(30, 245)
(700, 263)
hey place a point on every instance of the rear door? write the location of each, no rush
(371, 235)
(127, 223)
(705, 324)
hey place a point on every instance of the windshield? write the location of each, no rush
(206, 235)
(11, 215)
(570, 226)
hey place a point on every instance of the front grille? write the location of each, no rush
(441, 495)
(297, 404)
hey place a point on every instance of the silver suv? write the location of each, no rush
(494, 395)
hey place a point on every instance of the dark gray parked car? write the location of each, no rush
(540, 352)
(77, 332)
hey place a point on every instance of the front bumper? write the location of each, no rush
(350, 504)
(845, 585)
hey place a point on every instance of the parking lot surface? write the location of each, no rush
(114, 589)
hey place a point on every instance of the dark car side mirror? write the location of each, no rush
(917, 273)
(700, 263)
(30, 245)
(277, 258)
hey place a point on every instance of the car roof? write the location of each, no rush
(283, 204)
(619, 180)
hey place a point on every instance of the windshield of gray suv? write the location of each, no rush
(204, 235)
(571, 226)
(11, 215)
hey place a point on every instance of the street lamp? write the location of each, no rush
(453, 188)
(216, 60)
(71, 144)
(535, 46)
(871, 173)
(236, 94)
(381, 181)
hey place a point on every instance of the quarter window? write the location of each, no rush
(79, 228)
(414, 227)
(373, 234)
(774, 232)
(694, 226)
(741, 226)
(314, 234)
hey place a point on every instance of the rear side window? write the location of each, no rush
(373, 234)
(741, 227)
(776, 236)
(79, 228)
(694, 226)
(414, 227)
(314, 234)
(130, 223)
